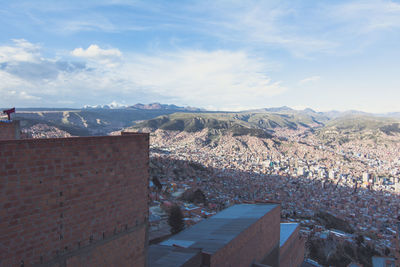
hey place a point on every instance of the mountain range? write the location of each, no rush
(140, 106)
(101, 120)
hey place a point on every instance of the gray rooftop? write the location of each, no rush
(381, 262)
(166, 256)
(287, 230)
(214, 233)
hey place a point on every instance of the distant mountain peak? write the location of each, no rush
(310, 110)
(140, 106)
(159, 106)
(112, 105)
(279, 109)
(154, 105)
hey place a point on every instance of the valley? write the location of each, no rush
(338, 176)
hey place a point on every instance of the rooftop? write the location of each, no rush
(214, 233)
(287, 230)
(166, 256)
(382, 262)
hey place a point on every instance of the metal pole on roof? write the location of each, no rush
(8, 112)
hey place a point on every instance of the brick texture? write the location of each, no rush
(74, 201)
(253, 244)
(129, 247)
(9, 130)
(292, 252)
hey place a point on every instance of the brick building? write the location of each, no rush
(74, 201)
(10, 130)
(242, 235)
(83, 201)
(291, 245)
(397, 253)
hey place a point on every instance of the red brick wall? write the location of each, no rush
(9, 130)
(253, 244)
(292, 252)
(127, 250)
(74, 201)
(397, 253)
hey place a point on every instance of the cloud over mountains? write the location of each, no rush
(198, 77)
(211, 54)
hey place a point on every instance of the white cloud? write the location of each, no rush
(87, 24)
(91, 23)
(221, 78)
(109, 57)
(299, 107)
(13, 90)
(94, 51)
(310, 79)
(24, 95)
(21, 95)
(263, 24)
(363, 17)
(22, 50)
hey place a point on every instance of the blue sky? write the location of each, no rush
(224, 55)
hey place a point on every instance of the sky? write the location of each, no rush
(218, 55)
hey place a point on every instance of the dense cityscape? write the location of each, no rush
(339, 185)
(356, 183)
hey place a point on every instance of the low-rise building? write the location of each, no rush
(242, 235)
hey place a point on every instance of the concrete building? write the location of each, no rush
(365, 177)
(332, 174)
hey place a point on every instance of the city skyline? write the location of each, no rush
(216, 55)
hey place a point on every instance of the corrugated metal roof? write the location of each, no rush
(214, 233)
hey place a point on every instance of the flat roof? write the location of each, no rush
(167, 256)
(215, 232)
(287, 229)
(381, 261)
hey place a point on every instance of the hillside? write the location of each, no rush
(260, 120)
(329, 126)
(87, 121)
(358, 127)
(218, 123)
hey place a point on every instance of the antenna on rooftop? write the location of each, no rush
(8, 112)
